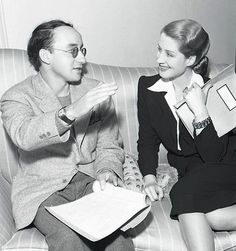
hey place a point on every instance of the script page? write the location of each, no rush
(99, 214)
(220, 103)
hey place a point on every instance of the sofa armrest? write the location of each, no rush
(6, 218)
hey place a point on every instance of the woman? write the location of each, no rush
(205, 195)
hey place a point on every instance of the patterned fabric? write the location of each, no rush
(133, 178)
(6, 220)
(126, 98)
(167, 176)
(27, 239)
(157, 231)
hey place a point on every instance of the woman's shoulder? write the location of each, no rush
(147, 81)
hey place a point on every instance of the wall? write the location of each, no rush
(121, 32)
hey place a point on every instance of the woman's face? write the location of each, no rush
(171, 62)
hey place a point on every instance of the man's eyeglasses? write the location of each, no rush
(75, 51)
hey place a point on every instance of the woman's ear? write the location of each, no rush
(45, 56)
(191, 60)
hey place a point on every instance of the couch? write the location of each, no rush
(157, 231)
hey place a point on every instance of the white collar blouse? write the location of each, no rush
(168, 87)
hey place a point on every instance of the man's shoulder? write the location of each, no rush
(20, 87)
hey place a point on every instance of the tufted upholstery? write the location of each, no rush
(158, 231)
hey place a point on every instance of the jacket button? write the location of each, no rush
(48, 133)
(64, 180)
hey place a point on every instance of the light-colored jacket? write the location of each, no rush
(47, 160)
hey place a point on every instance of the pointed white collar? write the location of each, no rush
(166, 86)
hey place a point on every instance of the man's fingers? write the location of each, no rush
(114, 179)
(102, 178)
(120, 183)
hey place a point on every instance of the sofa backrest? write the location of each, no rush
(14, 67)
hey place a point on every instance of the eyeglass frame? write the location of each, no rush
(74, 51)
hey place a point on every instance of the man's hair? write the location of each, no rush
(193, 40)
(42, 38)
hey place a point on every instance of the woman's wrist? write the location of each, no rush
(202, 123)
(201, 115)
(150, 178)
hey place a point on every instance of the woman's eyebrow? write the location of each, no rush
(170, 51)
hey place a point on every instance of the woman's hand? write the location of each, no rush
(151, 188)
(196, 100)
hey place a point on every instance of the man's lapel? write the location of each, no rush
(47, 99)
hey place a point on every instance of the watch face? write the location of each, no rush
(62, 116)
(61, 112)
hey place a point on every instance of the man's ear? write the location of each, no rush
(45, 56)
(191, 60)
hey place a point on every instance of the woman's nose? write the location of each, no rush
(160, 58)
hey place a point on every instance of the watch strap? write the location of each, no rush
(201, 124)
(63, 117)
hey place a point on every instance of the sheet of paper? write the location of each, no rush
(227, 97)
(220, 103)
(98, 214)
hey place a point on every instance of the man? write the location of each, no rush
(65, 128)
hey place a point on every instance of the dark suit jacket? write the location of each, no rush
(158, 125)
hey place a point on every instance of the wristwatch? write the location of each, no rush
(201, 124)
(63, 117)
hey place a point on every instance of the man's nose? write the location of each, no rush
(81, 58)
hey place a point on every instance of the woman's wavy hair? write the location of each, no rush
(193, 41)
(42, 38)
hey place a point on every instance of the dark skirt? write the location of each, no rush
(209, 187)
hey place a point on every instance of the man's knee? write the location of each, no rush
(118, 241)
(64, 240)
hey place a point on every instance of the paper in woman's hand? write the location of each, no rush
(220, 103)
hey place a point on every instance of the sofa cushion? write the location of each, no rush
(6, 219)
(159, 232)
(156, 232)
(27, 239)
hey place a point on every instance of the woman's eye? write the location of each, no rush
(170, 54)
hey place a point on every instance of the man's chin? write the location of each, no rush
(74, 82)
(76, 79)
